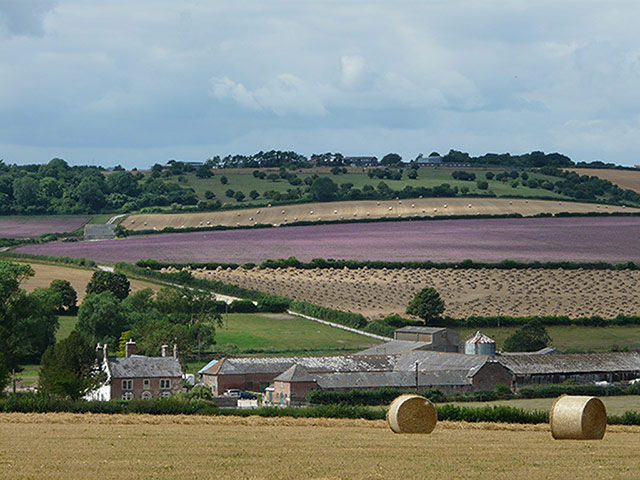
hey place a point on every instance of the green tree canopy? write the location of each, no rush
(70, 368)
(116, 283)
(529, 338)
(101, 319)
(67, 296)
(391, 159)
(427, 305)
(323, 189)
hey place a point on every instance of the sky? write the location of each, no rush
(138, 83)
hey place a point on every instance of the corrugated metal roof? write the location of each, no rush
(392, 379)
(395, 346)
(571, 363)
(138, 366)
(294, 374)
(434, 361)
(480, 338)
(427, 330)
(208, 366)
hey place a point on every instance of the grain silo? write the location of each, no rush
(480, 344)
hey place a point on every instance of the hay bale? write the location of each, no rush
(578, 418)
(412, 413)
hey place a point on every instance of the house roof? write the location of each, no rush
(428, 330)
(208, 366)
(395, 346)
(137, 366)
(294, 374)
(571, 363)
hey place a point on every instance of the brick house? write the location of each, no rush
(139, 377)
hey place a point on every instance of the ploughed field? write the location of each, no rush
(486, 292)
(57, 446)
(609, 239)
(30, 227)
(364, 209)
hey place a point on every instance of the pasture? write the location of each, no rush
(364, 209)
(376, 293)
(609, 239)
(627, 179)
(58, 446)
(78, 277)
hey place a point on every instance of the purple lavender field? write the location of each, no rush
(613, 239)
(30, 227)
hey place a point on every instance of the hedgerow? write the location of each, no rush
(83, 262)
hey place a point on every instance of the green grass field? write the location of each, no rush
(614, 405)
(66, 325)
(572, 338)
(244, 181)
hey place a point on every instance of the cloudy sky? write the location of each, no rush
(135, 83)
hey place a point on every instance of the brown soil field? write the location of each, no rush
(423, 207)
(627, 179)
(377, 293)
(78, 277)
(57, 446)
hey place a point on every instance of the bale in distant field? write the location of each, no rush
(578, 418)
(411, 413)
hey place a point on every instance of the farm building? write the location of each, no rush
(583, 368)
(287, 380)
(439, 339)
(139, 377)
(362, 161)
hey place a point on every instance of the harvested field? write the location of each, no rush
(425, 207)
(30, 227)
(609, 239)
(378, 293)
(78, 277)
(57, 446)
(627, 179)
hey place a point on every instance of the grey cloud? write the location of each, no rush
(24, 17)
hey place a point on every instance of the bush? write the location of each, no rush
(273, 303)
(242, 306)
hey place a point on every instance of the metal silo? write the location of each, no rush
(480, 344)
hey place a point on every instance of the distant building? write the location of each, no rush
(438, 161)
(362, 161)
(139, 377)
(439, 339)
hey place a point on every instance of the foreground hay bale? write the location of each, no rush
(411, 413)
(578, 418)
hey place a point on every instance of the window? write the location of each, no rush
(127, 396)
(249, 385)
(165, 394)
(127, 384)
(146, 395)
(281, 384)
(165, 384)
(146, 384)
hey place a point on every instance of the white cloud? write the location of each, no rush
(353, 70)
(24, 17)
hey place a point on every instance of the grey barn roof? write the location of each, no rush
(294, 374)
(392, 379)
(395, 346)
(571, 363)
(428, 330)
(138, 366)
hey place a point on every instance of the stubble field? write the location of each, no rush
(377, 293)
(627, 179)
(364, 209)
(57, 446)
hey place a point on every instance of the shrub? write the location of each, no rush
(273, 303)
(242, 306)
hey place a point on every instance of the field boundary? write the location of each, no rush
(337, 325)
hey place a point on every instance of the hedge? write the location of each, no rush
(353, 320)
(48, 258)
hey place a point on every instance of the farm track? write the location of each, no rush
(62, 446)
(362, 209)
(485, 292)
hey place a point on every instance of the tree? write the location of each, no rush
(70, 368)
(412, 174)
(529, 338)
(489, 175)
(426, 304)
(254, 194)
(66, 294)
(204, 172)
(323, 189)
(391, 159)
(482, 184)
(101, 318)
(114, 282)
(239, 196)
(224, 180)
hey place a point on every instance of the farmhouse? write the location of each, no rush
(362, 161)
(139, 377)
(582, 368)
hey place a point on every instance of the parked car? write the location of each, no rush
(234, 392)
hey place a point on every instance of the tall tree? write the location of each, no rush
(70, 368)
(528, 338)
(427, 305)
(67, 296)
(323, 189)
(101, 318)
(114, 282)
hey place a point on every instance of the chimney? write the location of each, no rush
(130, 348)
(165, 350)
(106, 351)
(175, 350)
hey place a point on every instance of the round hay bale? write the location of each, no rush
(578, 418)
(412, 413)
